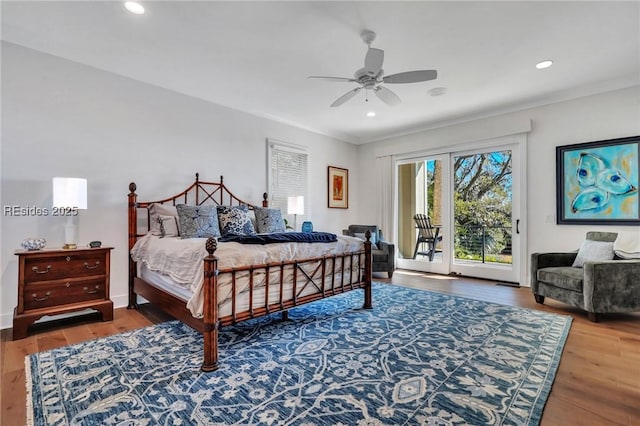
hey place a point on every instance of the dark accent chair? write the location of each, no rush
(427, 234)
(598, 287)
(383, 253)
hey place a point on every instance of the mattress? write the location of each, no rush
(176, 265)
(165, 283)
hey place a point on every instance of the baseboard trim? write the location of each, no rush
(508, 284)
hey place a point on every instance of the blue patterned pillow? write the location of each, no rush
(235, 220)
(269, 220)
(198, 221)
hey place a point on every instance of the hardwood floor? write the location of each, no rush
(598, 381)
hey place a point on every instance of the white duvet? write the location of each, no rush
(182, 261)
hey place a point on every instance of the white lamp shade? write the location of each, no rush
(295, 205)
(70, 192)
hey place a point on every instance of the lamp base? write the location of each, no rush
(70, 246)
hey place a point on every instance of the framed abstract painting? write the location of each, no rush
(338, 192)
(597, 182)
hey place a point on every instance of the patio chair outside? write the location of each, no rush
(427, 234)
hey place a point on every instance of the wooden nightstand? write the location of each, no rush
(56, 281)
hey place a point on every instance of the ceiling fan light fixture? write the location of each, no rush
(371, 114)
(544, 64)
(134, 7)
(371, 76)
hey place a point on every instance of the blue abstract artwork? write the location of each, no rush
(599, 182)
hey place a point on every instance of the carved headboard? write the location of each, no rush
(198, 193)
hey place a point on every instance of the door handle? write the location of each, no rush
(517, 226)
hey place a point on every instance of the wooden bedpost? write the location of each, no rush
(197, 186)
(222, 191)
(368, 302)
(133, 232)
(265, 200)
(210, 313)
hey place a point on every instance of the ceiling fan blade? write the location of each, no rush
(344, 98)
(345, 79)
(387, 96)
(411, 77)
(373, 61)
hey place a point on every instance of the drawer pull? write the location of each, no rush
(40, 299)
(38, 271)
(86, 265)
(68, 259)
(86, 290)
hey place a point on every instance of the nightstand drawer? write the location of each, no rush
(62, 292)
(47, 268)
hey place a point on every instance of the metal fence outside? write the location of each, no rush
(486, 244)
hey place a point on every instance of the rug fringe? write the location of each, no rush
(27, 375)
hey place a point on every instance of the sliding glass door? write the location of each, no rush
(471, 203)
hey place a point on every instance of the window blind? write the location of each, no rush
(287, 176)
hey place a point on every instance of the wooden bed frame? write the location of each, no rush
(315, 271)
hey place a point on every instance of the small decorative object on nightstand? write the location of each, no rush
(33, 244)
(307, 226)
(57, 281)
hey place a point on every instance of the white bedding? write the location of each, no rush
(181, 260)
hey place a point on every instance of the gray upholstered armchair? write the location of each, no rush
(383, 252)
(597, 287)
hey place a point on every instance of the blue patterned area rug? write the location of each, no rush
(417, 358)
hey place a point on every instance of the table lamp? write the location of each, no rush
(295, 206)
(69, 196)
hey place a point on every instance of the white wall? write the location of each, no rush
(60, 118)
(604, 116)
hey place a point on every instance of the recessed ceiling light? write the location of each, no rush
(544, 64)
(134, 7)
(371, 114)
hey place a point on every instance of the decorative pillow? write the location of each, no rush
(235, 220)
(198, 221)
(593, 251)
(157, 210)
(168, 226)
(269, 220)
(373, 239)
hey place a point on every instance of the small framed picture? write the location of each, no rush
(338, 192)
(597, 182)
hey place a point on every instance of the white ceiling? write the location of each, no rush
(255, 56)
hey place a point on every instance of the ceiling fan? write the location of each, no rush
(371, 77)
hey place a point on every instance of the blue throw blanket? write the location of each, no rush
(281, 237)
